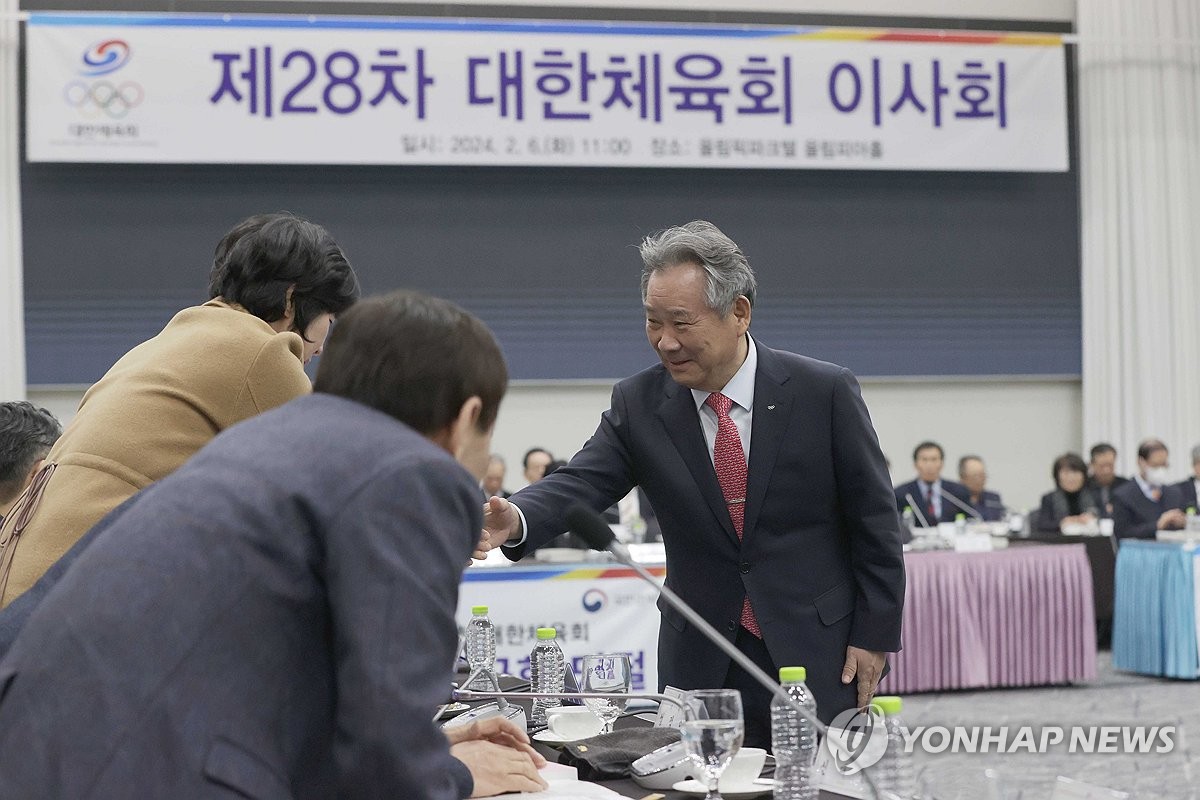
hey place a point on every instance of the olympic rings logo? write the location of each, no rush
(105, 57)
(104, 97)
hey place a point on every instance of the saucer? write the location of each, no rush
(745, 792)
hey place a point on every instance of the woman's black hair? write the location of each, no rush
(264, 256)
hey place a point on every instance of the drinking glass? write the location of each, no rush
(712, 732)
(606, 672)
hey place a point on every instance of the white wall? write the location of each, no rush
(1019, 426)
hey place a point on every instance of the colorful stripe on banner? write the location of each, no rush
(561, 574)
(312, 22)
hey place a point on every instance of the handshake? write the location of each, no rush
(499, 756)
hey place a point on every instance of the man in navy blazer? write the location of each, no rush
(276, 618)
(987, 505)
(816, 578)
(934, 497)
(1188, 486)
(1147, 504)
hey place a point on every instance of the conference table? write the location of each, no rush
(1021, 616)
(1156, 621)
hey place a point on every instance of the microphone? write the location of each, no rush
(592, 528)
(916, 510)
(961, 505)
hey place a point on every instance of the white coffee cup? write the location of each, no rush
(745, 766)
(573, 722)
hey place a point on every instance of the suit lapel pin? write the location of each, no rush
(770, 408)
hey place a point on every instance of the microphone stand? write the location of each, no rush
(961, 505)
(916, 510)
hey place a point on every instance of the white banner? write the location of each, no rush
(186, 88)
(594, 610)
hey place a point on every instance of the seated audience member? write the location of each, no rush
(276, 283)
(1147, 503)
(276, 617)
(536, 463)
(493, 479)
(26, 435)
(1188, 486)
(973, 474)
(1070, 503)
(928, 494)
(1103, 479)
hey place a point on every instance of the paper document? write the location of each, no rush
(564, 785)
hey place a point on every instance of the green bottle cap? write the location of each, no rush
(908, 509)
(1191, 509)
(546, 633)
(888, 704)
(792, 674)
(960, 517)
(477, 610)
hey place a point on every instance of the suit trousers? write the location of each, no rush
(756, 700)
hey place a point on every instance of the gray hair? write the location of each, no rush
(701, 243)
(26, 435)
(1196, 454)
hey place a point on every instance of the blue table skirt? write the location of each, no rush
(1154, 619)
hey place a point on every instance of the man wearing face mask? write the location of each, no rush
(1148, 503)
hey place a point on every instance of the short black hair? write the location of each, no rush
(531, 451)
(554, 466)
(1149, 447)
(1071, 461)
(264, 256)
(926, 446)
(26, 435)
(1101, 449)
(415, 357)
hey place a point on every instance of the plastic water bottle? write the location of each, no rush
(910, 519)
(793, 738)
(960, 524)
(547, 672)
(481, 649)
(1193, 522)
(894, 771)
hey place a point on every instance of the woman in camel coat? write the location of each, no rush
(277, 282)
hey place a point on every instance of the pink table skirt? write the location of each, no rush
(1015, 617)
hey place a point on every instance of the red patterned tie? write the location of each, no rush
(730, 462)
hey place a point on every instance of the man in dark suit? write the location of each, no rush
(973, 474)
(276, 618)
(1103, 479)
(793, 552)
(1147, 504)
(1189, 487)
(934, 498)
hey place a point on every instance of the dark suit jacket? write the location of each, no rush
(990, 508)
(273, 620)
(1187, 494)
(949, 510)
(1102, 503)
(821, 556)
(1055, 506)
(1135, 516)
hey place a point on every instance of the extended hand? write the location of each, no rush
(867, 666)
(500, 523)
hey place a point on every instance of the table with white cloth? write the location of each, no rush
(1013, 617)
(595, 607)
(1156, 615)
